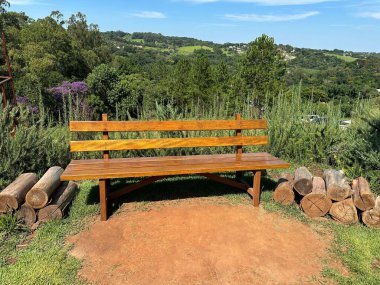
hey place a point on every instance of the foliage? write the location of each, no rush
(9, 225)
(262, 67)
(33, 145)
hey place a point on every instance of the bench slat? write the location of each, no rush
(141, 126)
(173, 158)
(138, 144)
(118, 168)
(136, 164)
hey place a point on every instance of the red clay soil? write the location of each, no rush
(200, 244)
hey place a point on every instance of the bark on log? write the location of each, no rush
(364, 199)
(303, 181)
(371, 218)
(316, 203)
(39, 195)
(284, 193)
(60, 201)
(337, 187)
(344, 212)
(27, 215)
(15, 193)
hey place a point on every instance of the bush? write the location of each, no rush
(31, 146)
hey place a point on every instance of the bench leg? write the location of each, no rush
(103, 199)
(256, 188)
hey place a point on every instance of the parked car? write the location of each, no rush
(344, 124)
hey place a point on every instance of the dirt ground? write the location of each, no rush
(200, 243)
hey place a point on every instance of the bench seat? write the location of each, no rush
(169, 165)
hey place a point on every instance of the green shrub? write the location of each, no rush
(31, 146)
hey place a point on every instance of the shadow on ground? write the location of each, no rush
(177, 187)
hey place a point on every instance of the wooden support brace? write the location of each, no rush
(226, 181)
(239, 148)
(133, 187)
(255, 191)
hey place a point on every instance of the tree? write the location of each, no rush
(3, 5)
(202, 77)
(262, 67)
(100, 82)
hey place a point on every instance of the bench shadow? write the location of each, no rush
(176, 188)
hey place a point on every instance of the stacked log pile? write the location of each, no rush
(330, 195)
(33, 200)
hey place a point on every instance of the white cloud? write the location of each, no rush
(373, 15)
(270, 18)
(267, 2)
(149, 14)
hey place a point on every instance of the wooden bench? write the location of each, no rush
(156, 168)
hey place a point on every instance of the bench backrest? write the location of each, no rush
(106, 126)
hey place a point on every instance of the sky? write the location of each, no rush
(322, 24)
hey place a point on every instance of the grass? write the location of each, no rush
(343, 57)
(186, 50)
(45, 259)
(158, 49)
(141, 41)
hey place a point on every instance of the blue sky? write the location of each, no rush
(348, 25)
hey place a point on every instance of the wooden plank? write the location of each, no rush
(223, 180)
(106, 154)
(138, 144)
(121, 172)
(141, 126)
(121, 192)
(247, 155)
(136, 164)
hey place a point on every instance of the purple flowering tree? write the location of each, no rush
(76, 91)
(78, 88)
(25, 102)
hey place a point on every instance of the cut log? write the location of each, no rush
(316, 203)
(60, 201)
(38, 196)
(3, 208)
(27, 215)
(14, 195)
(344, 212)
(364, 199)
(303, 181)
(371, 218)
(284, 193)
(337, 187)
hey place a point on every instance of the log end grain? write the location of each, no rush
(303, 186)
(344, 212)
(316, 205)
(27, 215)
(3, 207)
(338, 193)
(371, 219)
(284, 194)
(36, 198)
(49, 213)
(365, 202)
(10, 201)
